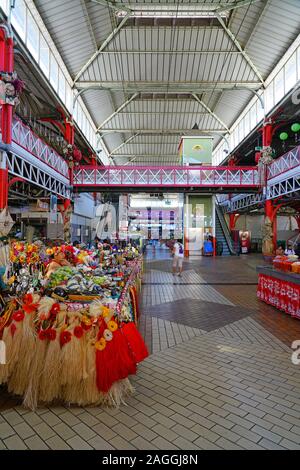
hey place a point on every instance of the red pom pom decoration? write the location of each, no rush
(65, 337)
(18, 315)
(28, 299)
(78, 331)
(54, 310)
(51, 334)
(43, 335)
(85, 327)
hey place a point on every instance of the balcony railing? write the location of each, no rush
(288, 161)
(180, 176)
(28, 140)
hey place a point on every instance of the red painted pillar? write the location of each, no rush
(69, 132)
(267, 133)
(6, 65)
(70, 137)
(270, 213)
(3, 181)
(232, 221)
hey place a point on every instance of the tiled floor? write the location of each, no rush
(219, 375)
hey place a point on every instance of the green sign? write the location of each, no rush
(197, 150)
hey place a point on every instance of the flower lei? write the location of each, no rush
(111, 327)
(267, 156)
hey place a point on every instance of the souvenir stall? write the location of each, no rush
(279, 285)
(70, 324)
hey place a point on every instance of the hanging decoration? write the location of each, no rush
(266, 156)
(73, 155)
(295, 127)
(11, 88)
(283, 136)
(6, 223)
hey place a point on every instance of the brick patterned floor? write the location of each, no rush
(219, 377)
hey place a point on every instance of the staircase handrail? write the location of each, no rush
(225, 230)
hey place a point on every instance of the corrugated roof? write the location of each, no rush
(180, 53)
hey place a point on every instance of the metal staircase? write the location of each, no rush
(223, 233)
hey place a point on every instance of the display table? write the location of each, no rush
(71, 346)
(279, 289)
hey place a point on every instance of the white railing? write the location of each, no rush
(28, 140)
(287, 162)
(167, 176)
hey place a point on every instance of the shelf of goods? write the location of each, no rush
(279, 285)
(71, 335)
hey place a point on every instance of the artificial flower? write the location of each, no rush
(87, 321)
(105, 311)
(112, 325)
(18, 316)
(28, 299)
(78, 331)
(43, 335)
(101, 344)
(54, 309)
(65, 337)
(107, 335)
(51, 334)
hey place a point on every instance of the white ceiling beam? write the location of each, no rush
(214, 115)
(101, 48)
(199, 9)
(124, 143)
(163, 87)
(109, 118)
(239, 47)
(164, 52)
(143, 155)
(112, 5)
(233, 6)
(162, 131)
(89, 24)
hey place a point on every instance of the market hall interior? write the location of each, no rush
(149, 225)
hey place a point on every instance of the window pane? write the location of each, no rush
(4, 5)
(253, 119)
(18, 18)
(260, 112)
(69, 97)
(44, 56)
(290, 73)
(32, 36)
(269, 97)
(247, 123)
(62, 86)
(278, 86)
(231, 141)
(83, 124)
(79, 117)
(53, 72)
(76, 111)
(241, 130)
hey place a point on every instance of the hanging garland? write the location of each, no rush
(11, 88)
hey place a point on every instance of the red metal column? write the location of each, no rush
(70, 137)
(232, 221)
(6, 65)
(267, 133)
